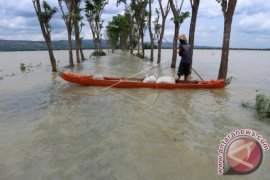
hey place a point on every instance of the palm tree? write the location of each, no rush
(132, 28)
(112, 33)
(138, 8)
(94, 9)
(160, 28)
(76, 20)
(150, 29)
(44, 17)
(67, 17)
(178, 19)
(119, 28)
(228, 7)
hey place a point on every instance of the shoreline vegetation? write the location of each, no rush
(261, 105)
(23, 45)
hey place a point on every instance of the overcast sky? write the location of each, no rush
(251, 24)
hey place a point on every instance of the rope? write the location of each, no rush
(121, 80)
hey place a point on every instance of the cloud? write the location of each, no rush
(256, 23)
(263, 38)
(11, 8)
(18, 21)
(251, 6)
(111, 8)
(209, 9)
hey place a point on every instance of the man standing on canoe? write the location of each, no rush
(184, 66)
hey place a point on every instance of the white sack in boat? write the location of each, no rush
(166, 79)
(152, 78)
(98, 77)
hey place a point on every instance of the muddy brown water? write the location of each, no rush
(51, 129)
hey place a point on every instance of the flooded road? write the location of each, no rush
(51, 129)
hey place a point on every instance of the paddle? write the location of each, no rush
(197, 73)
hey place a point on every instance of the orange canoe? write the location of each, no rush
(121, 82)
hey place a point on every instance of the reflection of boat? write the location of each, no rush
(122, 82)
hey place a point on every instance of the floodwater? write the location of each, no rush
(51, 129)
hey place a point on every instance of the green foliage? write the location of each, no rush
(94, 8)
(140, 14)
(180, 18)
(93, 12)
(99, 53)
(262, 105)
(22, 67)
(48, 12)
(46, 15)
(119, 27)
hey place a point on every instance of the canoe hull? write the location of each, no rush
(132, 83)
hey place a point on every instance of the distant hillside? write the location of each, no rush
(14, 45)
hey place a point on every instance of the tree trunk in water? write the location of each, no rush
(159, 51)
(77, 37)
(77, 41)
(228, 11)
(150, 31)
(152, 50)
(161, 40)
(71, 63)
(52, 58)
(138, 46)
(131, 44)
(192, 28)
(164, 14)
(95, 45)
(46, 34)
(113, 45)
(123, 43)
(176, 13)
(142, 38)
(223, 69)
(98, 43)
(81, 52)
(81, 49)
(174, 55)
(68, 23)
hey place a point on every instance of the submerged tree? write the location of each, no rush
(228, 7)
(160, 28)
(194, 6)
(76, 16)
(138, 8)
(151, 34)
(44, 17)
(178, 19)
(119, 29)
(94, 9)
(112, 33)
(67, 17)
(132, 29)
(81, 39)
